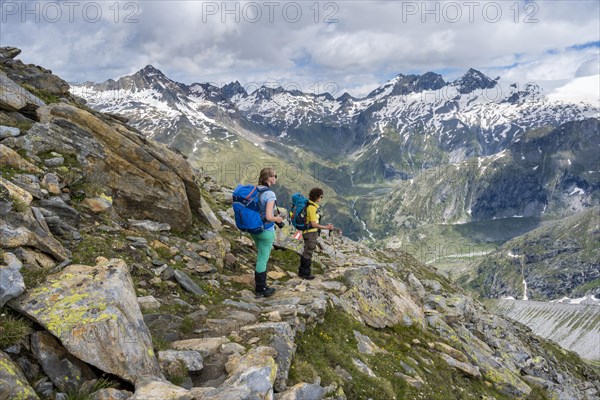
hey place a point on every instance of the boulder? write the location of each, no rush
(209, 215)
(8, 131)
(303, 391)
(153, 388)
(11, 158)
(176, 363)
(64, 370)
(17, 193)
(380, 299)
(255, 372)
(13, 384)
(11, 280)
(93, 310)
(282, 343)
(96, 205)
(58, 207)
(148, 181)
(205, 346)
(149, 226)
(14, 98)
(188, 284)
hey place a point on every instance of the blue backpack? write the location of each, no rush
(247, 210)
(298, 212)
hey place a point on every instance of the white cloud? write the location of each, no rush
(198, 41)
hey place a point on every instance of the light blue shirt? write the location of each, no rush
(264, 198)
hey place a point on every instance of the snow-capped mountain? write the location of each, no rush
(407, 118)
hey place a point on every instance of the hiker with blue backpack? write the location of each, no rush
(254, 209)
(306, 217)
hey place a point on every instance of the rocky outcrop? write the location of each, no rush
(369, 299)
(146, 180)
(94, 313)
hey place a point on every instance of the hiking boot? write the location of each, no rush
(261, 288)
(304, 270)
(265, 292)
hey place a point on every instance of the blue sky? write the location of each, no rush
(330, 45)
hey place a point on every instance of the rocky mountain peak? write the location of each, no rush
(232, 89)
(406, 84)
(473, 80)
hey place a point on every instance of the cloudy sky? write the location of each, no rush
(313, 46)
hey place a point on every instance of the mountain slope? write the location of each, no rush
(558, 259)
(98, 303)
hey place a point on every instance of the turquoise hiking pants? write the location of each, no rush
(264, 243)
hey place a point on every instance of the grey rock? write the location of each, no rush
(191, 359)
(205, 346)
(242, 305)
(30, 369)
(188, 284)
(11, 280)
(111, 394)
(226, 218)
(434, 286)
(7, 131)
(14, 98)
(54, 162)
(364, 368)
(283, 343)
(64, 370)
(29, 183)
(163, 326)
(209, 215)
(149, 387)
(470, 370)
(303, 391)
(366, 345)
(254, 371)
(44, 387)
(13, 384)
(9, 52)
(148, 303)
(415, 381)
(150, 226)
(58, 207)
(367, 298)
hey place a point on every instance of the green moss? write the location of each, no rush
(44, 95)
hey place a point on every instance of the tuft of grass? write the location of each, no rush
(13, 328)
(159, 344)
(187, 325)
(86, 394)
(43, 95)
(19, 205)
(34, 276)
